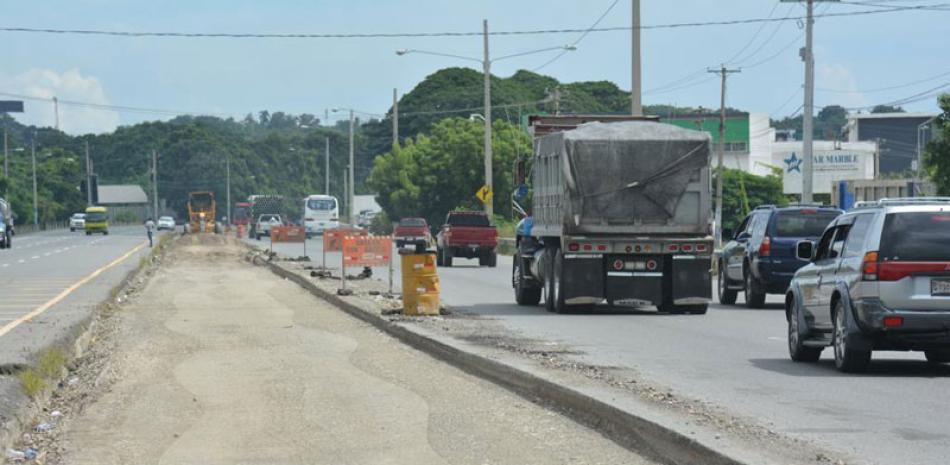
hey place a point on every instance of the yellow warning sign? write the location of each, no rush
(484, 194)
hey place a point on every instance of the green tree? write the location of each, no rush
(937, 156)
(431, 175)
(887, 109)
(740, 188)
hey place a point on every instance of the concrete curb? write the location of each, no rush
(74, 341)
(634, 432)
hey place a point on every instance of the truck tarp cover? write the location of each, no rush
(620, 171)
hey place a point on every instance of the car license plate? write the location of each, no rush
(940, 287)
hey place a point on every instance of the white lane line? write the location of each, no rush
(65, 293)
(21, 261)
(34, 257)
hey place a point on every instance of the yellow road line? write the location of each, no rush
(65, 293)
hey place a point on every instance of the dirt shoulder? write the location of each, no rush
(218, 361)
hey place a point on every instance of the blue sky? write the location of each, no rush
(857, 54)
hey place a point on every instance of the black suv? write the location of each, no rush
(760, 257)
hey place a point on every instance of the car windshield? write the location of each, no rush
(166, 219)
(412, 222)
(97, 216)
(920, 236)
(269, 218)
(79, 216)
(321, 204)
(468, 220)
(803, 223)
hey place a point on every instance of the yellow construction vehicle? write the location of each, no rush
(201, 212)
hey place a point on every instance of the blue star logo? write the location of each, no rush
(793, 163)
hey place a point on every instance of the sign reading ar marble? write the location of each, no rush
(831, 164)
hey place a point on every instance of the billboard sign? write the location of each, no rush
(832, 163)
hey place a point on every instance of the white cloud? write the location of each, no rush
(839, 78)
(70, 85)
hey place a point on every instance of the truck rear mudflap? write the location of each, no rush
(636, 280)
(583, 276)
(690, 279)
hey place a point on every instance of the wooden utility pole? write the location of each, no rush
(88, 177)
(155, 185)
(395, 117)
(636, 104)
(723, 73)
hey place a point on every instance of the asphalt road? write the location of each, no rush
(51, 281)
(733, 357)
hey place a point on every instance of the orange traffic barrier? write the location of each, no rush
(240, 231)
(367, 250)
(288, 234)
(333, 238)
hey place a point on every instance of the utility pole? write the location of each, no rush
(88, 178)
(352, 185)
(723, 73)
(346, 191)
(36, 204)
(56, 111)
(326, 171)
(809, 110)
(155, 185)
(395, 118)
(6, 155)
(486, 64)
(227, 169)
(636, 104)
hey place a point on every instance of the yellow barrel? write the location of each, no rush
(420, 283)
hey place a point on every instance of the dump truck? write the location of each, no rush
(201, 212)
(620, 214)
(264, 204)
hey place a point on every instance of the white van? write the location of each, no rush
(320, 212)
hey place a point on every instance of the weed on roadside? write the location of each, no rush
(33, 383)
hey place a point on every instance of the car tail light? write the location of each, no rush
(687, 248)
(673, 248)
(573, 247)
(765, 249)
(651, 265)
(893, 321)
(895, 271)
(869, 267)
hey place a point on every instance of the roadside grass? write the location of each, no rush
(49, 367)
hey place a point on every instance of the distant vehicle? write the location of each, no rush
(241, 214)
(365, 218)
(467, 235)
(760, 258)
(97, 220)
(265, 223)
(879, 279)
(201, 210)
(320, 212)
(77, 221)
(263, 204)
(6, 235)
(621, 215)
(8, 215)
(165, 222)
(412, 231)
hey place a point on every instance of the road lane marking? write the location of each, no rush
(65, 293)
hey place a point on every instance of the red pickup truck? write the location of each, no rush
(412, 231)
(467, 235)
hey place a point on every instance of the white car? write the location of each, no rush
(265, 223)
(165, 222)
(77, 221)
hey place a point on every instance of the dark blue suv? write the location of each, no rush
(760, 257)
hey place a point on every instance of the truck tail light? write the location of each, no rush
(601, 248)
(673, 248)
(765, 249)
(573, 247)
(588, 247)
(687, 248)
(869, 267)
(700, 247)
(651, 265)
(618, 264)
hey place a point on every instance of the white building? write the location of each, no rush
(833, 161)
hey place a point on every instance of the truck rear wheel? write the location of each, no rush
(492, 259)
(447, 257)
(523, 295)
(557, 286)
(548, 274)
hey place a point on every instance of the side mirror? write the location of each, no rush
(805, 250)
(743, 236)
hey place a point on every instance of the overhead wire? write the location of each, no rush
(582, 36)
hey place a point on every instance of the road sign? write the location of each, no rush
(484, 194)
(11, 106)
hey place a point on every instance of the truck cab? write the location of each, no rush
(97, 220)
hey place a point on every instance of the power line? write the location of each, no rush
(579, 39)
(882, 89)
(384, 35)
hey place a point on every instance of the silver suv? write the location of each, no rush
(879, 279)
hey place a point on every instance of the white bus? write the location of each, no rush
(320, 212)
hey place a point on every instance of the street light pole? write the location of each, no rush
(636, 104)
(352, 186)
(227, 169)
(36, 205)
(486, 64)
